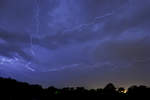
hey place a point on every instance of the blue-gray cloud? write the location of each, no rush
(100, 37)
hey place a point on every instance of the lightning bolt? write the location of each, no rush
(80, 27)
(37, 21)
(37, 17)
(37, 32)
(61, 68)
(31, 46)
(95, 20)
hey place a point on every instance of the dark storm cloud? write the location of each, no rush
(23, 15)
(14, 44)
(15, 37)
(17, 25)
(77, 37)
(124, 50)
(17, 14)
(11, 50)
(120, 21)
(100, 7)
(131, 17)
(131, 23)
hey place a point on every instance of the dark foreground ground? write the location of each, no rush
(13, 90)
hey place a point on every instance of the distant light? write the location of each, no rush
(123, 91)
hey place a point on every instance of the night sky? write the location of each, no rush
(75, 42)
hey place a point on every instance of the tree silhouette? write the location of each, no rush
(110, 89)
(13, 90)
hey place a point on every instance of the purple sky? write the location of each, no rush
(75, 42)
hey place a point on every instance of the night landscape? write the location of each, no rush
(73, 48)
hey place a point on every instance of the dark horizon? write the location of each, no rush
(13, 90)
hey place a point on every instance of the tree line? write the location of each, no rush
(11, 89)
